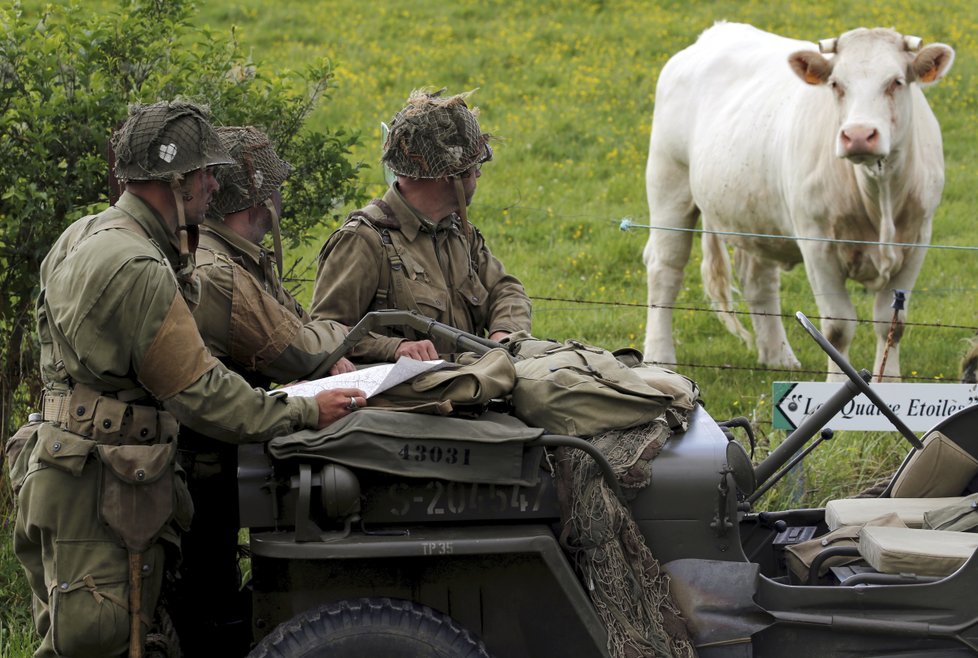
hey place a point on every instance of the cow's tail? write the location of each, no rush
(717, 282)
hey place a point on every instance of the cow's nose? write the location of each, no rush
(859, 140)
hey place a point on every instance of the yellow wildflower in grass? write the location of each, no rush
(569, 88)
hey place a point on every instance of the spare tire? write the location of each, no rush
(369, 628)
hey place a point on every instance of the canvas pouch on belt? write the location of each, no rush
(17, 451)
(138, 491)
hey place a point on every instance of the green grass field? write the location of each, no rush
(568, 88)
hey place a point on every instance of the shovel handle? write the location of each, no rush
(135, 604)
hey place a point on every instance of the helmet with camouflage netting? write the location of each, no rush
(434, 137)
(256, 174)
(165, 140)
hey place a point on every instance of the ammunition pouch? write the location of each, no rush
(63, 450)
(110, 418)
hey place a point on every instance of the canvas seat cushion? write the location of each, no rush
(857, 511)
(916, 551)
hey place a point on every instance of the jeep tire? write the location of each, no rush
(364, 628)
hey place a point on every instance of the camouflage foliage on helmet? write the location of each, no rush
(256, 174)
(165, 140)
(434, 137)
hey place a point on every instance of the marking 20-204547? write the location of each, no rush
(444, 499)
(436, 454)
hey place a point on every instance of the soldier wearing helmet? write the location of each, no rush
(100, 500)
(251, 323)
(415, 249)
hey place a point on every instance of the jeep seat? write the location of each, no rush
(911, 550)
(857, 511)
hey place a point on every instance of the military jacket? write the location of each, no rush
(248, 319)
(406, 261)
(111, 316)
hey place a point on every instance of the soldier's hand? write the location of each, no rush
(422, 350)
(498, 335)
(339, 402)
(341, 366)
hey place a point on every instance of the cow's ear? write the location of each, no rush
(810, 67)
(932, 63)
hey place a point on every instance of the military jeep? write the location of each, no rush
(364, 561)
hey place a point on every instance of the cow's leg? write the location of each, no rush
(828, 284)
(760, 281)
(666, 252)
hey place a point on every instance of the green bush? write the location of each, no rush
(66, 78)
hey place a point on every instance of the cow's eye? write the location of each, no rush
(837, 88)
(895, 85)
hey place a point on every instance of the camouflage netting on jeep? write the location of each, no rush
(434, 137)
(256, 174)
(165, 140)
(624, 580)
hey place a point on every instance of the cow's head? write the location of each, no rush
(870, 72)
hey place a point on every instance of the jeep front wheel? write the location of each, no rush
(370, 627)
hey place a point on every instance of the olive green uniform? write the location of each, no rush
(112, 318)
(391, 256)
(246, 316)
(255, 327)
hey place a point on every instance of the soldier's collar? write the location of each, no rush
(235, 242)
(412, 220)
(151, 222)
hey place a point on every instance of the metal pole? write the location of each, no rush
(899, 297)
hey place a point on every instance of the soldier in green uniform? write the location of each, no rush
(101, 504)
(415, 248)
(256, 328)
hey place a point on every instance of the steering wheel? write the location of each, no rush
(857, 379)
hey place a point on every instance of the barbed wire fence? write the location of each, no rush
(626, 224)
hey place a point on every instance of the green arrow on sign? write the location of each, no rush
(780, 391)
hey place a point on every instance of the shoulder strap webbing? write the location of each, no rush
(393, 291)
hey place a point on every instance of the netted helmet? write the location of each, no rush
(165, 140)
(434, 137)
(255, 175)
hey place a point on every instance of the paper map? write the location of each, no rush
(371, 381)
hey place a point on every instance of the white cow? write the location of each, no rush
(762, 134)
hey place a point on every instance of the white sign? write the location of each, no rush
(920, 406)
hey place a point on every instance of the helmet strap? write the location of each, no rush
(176, 187)
(463, 212)
(186, 235)
(276, 235)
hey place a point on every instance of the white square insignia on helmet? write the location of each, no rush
(168, 152)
